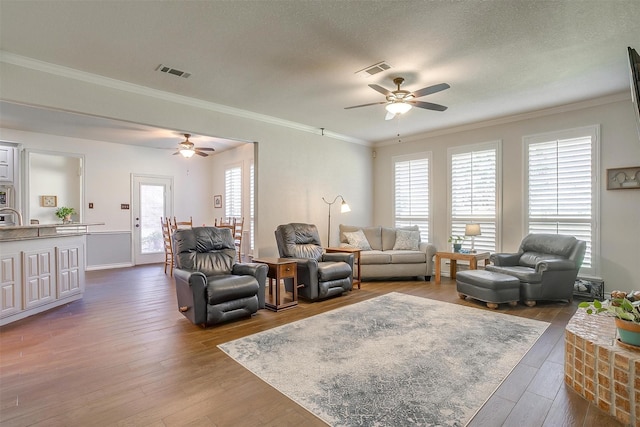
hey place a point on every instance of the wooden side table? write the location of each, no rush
(279, 269)
(357, 278)
(454, 257)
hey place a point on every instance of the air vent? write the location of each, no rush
(374, 69)
(175, 72)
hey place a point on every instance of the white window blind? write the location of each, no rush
(233, 192)
(411, 193)
(474, 194)
(560, 189)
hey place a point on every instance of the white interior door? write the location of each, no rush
(152, 200)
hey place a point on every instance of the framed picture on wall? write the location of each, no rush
(49, 201)
(217, 201)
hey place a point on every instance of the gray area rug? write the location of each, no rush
(395, 360)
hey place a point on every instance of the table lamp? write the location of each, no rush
(472, 230)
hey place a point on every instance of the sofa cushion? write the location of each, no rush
(372, 233)
(357, 239)
(407, 257)
(375, 257)
(407, 240)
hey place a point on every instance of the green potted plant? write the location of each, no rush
(457, 242)
(626, 310)
(65, 213)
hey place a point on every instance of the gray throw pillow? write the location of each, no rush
(407, 240)
(357, 239)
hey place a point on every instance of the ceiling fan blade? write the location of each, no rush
(200, 153)
(176, 153)
(390, 115)
(428, 105)
(431, 89)
(380, 89)
(205, 149)
(365, 105)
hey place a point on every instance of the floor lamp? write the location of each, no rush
(344, 207)
(472, 230)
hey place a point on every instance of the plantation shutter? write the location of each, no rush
(233, 192)
(411, 197)
(474, 196)
(560, 189)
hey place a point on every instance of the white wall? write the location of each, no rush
(53, 175)
(294, 168)
(620, 210)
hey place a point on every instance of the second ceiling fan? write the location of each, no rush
(188, 149)
(400, 101)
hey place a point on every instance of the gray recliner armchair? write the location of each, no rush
(210, 286)
(321, 275)
(546, 265)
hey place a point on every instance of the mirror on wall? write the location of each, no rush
(53, 180)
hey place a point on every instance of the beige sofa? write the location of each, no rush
(391, 252)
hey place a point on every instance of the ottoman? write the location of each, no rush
(488, 286)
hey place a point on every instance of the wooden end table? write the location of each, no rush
(357, 278)
(279, 269)
(454, 257)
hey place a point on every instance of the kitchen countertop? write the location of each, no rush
(38, 231)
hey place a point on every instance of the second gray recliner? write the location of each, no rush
(321, 275)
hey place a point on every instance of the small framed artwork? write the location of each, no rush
(217, 201)
(623, 178)
(49, 201)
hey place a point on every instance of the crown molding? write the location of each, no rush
(594, 102)
(70, 73)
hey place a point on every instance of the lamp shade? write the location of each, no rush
(472, 230)
(398, 107)
(344, 207)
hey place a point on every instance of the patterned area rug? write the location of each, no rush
(395, 360)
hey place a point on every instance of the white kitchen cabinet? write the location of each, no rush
(10, 284)
(70, 270)
(39, 278)
(7, 172)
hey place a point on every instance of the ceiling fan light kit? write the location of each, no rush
(398, 107)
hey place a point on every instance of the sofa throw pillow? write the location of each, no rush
(357, 239)
(407, 240)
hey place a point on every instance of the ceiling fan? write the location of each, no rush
(188, 149)
(400, 101)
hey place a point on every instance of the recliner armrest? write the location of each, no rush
(555, 265)
(191, 290)
(505, 259)
(338, 256)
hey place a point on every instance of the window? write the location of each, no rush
(411, 192)
(561, 183)
(474, 196)
(233, 192)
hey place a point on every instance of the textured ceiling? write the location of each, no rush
(296, 60)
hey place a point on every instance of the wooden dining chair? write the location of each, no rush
(182, 224)
(237, 236)
(168, 244)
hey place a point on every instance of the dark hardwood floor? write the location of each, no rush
(125, 356)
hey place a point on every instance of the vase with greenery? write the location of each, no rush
(457, 242)
(65, 213)
(625, 308)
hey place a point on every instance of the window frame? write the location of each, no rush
(470, 148)
(425, 155)
(592, 131)
(227, 169)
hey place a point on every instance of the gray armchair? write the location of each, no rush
(546, 265)
(321, 275)
(210, 286)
